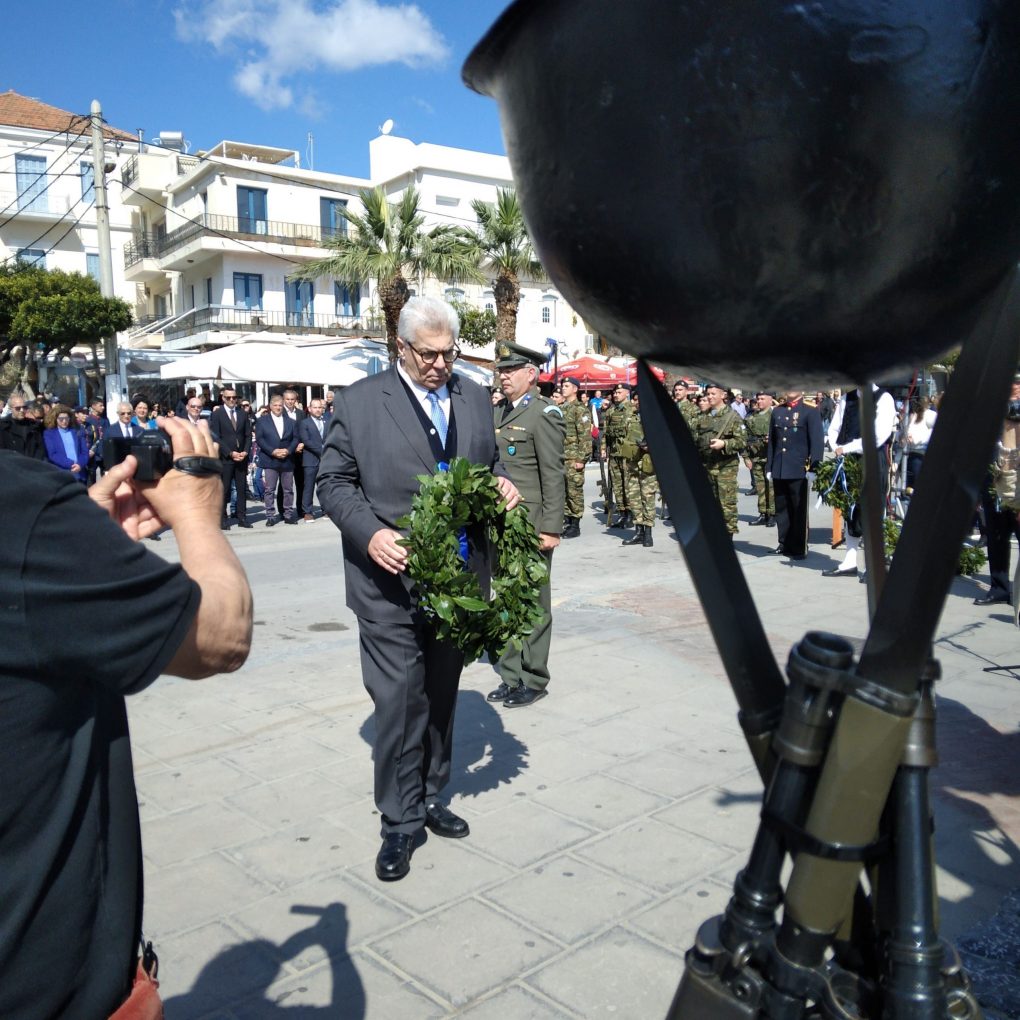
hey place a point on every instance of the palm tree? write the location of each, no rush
(387, 243)
(503, 248)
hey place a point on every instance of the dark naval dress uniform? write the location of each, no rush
(795, 446)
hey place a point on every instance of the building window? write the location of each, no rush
(300, 300)
(454, 294)
(191, 296)
(92, 265)
(546, 314)
(490, 307)
(252, 204)
(347, 298)
(88, 182)
(32, 257)
(30, 173)
(331, 218)
(448, 200)
(247, 290)
(549, 309)
(208, 290)
(160, 304)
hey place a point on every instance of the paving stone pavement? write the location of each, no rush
(607, 821)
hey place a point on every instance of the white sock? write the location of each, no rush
(850, 559)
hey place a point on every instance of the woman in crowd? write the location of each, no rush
(142, 418)
(922, 421)
(66, 445)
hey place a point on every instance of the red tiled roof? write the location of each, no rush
(21, 111)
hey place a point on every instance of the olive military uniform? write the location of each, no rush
(576, 450)
(530, 441)
(616, 425)
(722, 465)
(642, 484)
(757, 427)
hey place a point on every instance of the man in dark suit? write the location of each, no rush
(311, 433)
(296, 415)
(122, 427)
(795, 446)
(231, 428)
(387, 429)
(276, 436)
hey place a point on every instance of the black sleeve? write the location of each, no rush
(103, 607)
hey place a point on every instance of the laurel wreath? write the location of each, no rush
(458, 496)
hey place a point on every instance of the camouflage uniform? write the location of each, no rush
(642, 484)
(722, 465)
(616, 425)
(757, 426)
(576, 450)
(689, 411)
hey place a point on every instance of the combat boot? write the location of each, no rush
(573, 528)
(759, 520)
(770, 521)
(647, 539)
(637, 538)
(627, 520)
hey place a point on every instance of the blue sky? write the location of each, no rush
(263, 71)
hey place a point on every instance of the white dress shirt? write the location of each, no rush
(443, 393)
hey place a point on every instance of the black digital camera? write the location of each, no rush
(152, 449)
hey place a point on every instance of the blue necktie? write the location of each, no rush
(437, 416)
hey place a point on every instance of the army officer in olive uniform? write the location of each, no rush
(529, 433)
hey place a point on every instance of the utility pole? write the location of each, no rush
(110, 355)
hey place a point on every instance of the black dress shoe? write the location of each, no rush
(443, 822)
(244, 524)
(992, 600)
(522, 696)
(499, 694)
(225, 524)
(271, 522)
(770, 521)
(290, 520)
(798, 556)
(394, 858)
(836, 572)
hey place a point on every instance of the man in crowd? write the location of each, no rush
(720, 437)
(123, 427)
(576, 450)
(795, 447)
(70, 854)
(296, 415)
(616, 425)
(756, 458)
(193, 408)
(642, 483)
(387, 429)
(844, 438)
(277, 439)
(231, 428)
(95, 426)
(530, 434)
(20, 433)
(311, 434)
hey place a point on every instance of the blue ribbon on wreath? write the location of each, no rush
(839, 477)
(462, 538)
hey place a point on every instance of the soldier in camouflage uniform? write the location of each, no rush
(642, 485)
(688, 407)
(576, 450)
(615, 426)
(721, 438)
(756, 458)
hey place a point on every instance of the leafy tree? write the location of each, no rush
(477, 328)
(52, 311)
(388, 243)
(503, 249)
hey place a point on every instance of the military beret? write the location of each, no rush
(622, 386)
(572, 379)
(509, 355)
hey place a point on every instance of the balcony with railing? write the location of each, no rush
(230, 318)
(146, 175)
(249, 230)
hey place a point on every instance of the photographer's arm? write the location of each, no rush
(220, 634)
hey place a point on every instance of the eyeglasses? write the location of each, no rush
(246, 407)
(229, 396)
(63, 417)
(429, 357)
(194, 407)
(16, 407)
(122, 414)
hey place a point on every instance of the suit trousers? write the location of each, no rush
(271, 477)
(412, 679)
(308, 489)
(1001, 524)
(792, 514)
(236, 471)
(529, 664)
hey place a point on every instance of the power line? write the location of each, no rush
(56, 134)
(32, 244)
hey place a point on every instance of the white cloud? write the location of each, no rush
(276, 40)
(423, 104)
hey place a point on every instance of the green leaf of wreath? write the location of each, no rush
(466, 496)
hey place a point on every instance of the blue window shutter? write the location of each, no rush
(88, 181)
(92, 265)
(30, 172)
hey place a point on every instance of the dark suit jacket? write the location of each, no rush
(231, 440)
(795, 441)
(375, 449)
(268, 439)
(112, 430)
(309, 435)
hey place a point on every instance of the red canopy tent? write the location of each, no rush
(632, 373)
(591, 371)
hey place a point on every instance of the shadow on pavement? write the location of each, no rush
(485, 756)
(241, 975)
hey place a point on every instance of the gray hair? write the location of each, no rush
(430, 314)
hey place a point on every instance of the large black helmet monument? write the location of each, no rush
(758, 189)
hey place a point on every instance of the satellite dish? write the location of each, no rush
(387, 126)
